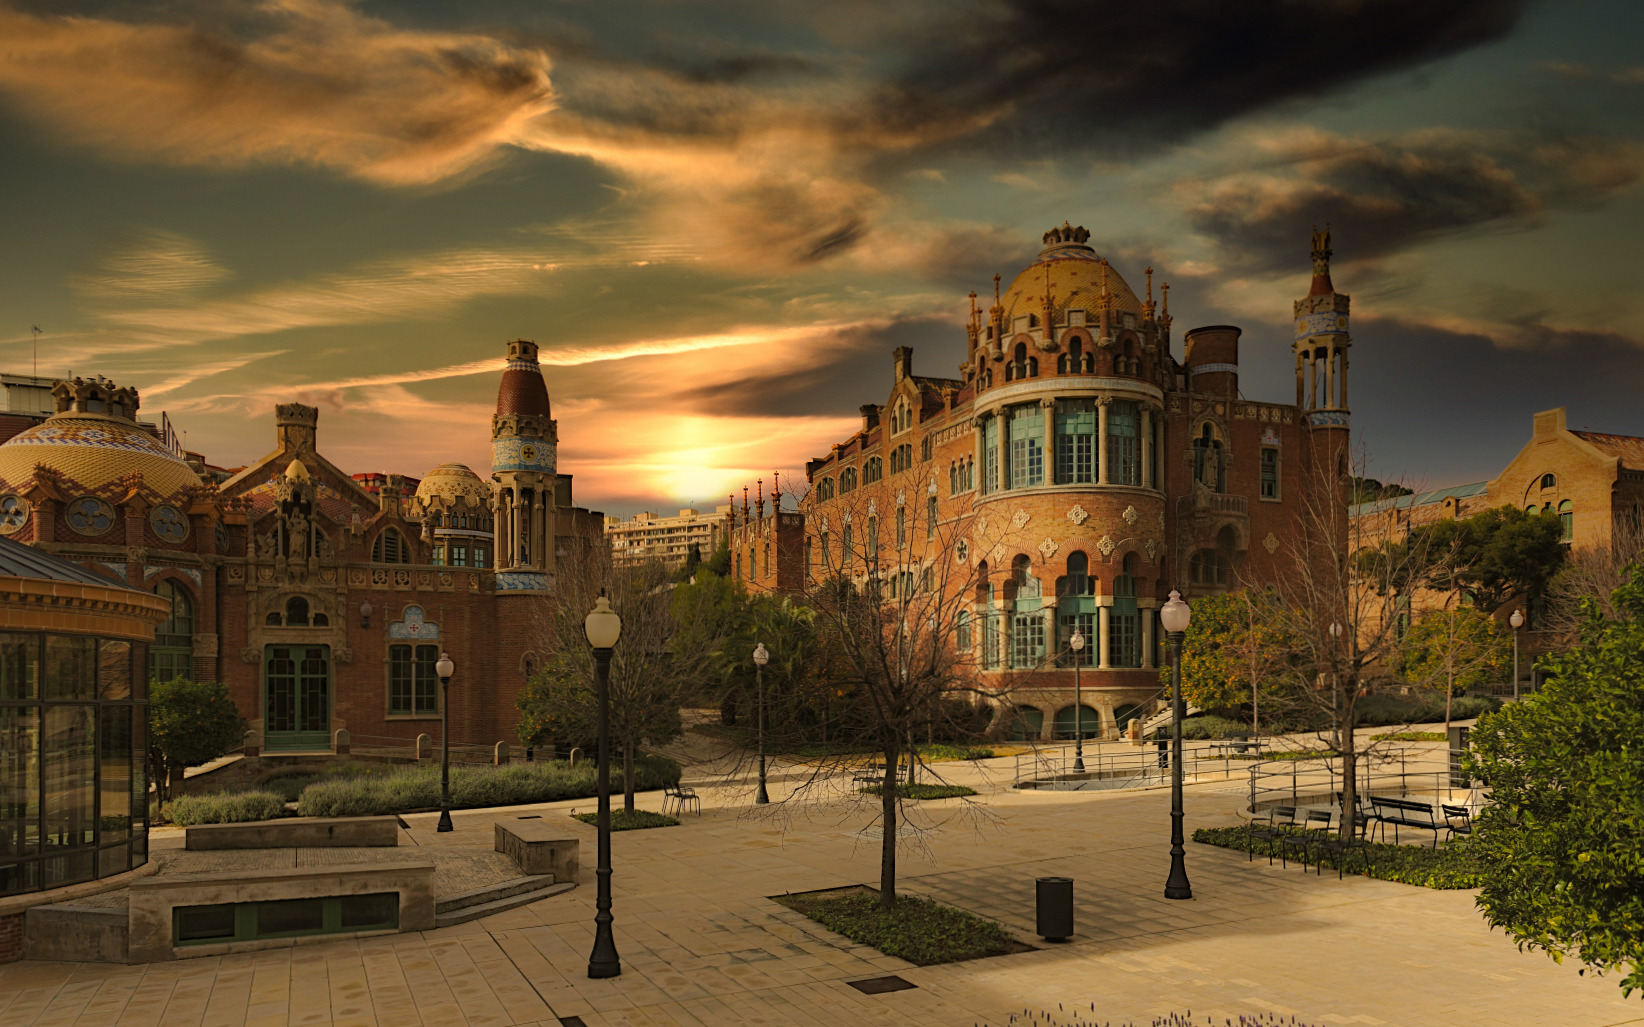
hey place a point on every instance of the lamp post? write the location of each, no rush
(761, 657)
(1077, 644)
(1174, 616)
(603, 627)
(1517, 621)
(445, 668)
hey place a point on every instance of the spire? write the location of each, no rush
(730, 518)
(1321, 263)
(759, 508)
(522, 390)
(1149, 305)
(973, 327)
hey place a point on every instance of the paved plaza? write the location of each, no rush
(703, 944)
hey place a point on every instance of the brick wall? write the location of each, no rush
(11, 938)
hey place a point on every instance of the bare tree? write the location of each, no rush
(1591, 572)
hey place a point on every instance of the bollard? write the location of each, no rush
(499, 755)
(1055, 912)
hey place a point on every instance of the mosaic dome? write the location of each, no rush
(1075, 271)
(94, 450)
(451, 481)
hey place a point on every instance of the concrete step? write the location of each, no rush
(492, 892)
(501, 905)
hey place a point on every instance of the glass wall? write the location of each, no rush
(73, 761)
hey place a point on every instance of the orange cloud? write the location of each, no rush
(327, 86)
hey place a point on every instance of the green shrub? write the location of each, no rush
(1412, 736)
(1382, 710)
(923, 791)
(223, 808)
(1207, 726)
(917, 930)
(1452, 865)
(622, 820)
(475, 787)
(954, 751)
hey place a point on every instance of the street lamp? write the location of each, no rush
(603, 627)
(1077, 643)
(1174, 616)
(760, 658)
(365, 614)
(1517, 621)
(445, 668)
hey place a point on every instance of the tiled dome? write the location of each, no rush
(1075, 282)
(451, 481)
(94, 450)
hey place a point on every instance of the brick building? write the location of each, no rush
(1070, 476)
(322, 604)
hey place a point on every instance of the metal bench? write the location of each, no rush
(1406, 813)
(874, 774)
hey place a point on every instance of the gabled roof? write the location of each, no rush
(1477, 488)
(22, 561)
(1630, 448)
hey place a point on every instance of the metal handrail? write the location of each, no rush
(1318, 782)
(1108, 769)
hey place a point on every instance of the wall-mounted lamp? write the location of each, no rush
(365, 614)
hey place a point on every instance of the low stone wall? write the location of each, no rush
(539, 848)
(153, 899)
(77, 933)
(295, 832)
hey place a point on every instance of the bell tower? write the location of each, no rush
(1321, 345)
(524, 443)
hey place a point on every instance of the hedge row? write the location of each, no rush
(1447, 867)
(223, 808)
(474, 787)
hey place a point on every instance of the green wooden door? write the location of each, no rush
(297, 683)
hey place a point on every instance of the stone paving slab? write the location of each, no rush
(702, 943)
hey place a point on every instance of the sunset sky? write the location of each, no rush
(718, 217)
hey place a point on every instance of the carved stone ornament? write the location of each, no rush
(356, 575)
(824, 524)
(1271, 542)
(1048, 548)
(236, 572)
(1019, 519)
(1161, 520)
(328, 576)
(1130, 515)
(1107, 545)
(901, 497)
(402, 578)
(445, 579)
(379, 575)
(873, 507)
(265, 574)
(997, 555)
(931, 489)
(251, 654)
(982, 525)
(1077, 515)
(1152, 550)
(961, 551)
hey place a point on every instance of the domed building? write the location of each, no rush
(322, 604)
(1072, 475)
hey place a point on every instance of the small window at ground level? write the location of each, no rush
(284, 918)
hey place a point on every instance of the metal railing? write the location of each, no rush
(1423, 774)
(1109, 768)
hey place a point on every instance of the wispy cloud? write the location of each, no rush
(157, 265)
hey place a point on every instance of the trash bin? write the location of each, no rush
(1055, 899)
(1164, 753)
(1458, 747)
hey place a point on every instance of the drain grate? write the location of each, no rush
(533, 816)
(570, 1021)
(880, 985)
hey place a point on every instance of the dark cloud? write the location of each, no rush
(1127, 74)
(850, 369)
(1467, 412)
(1385, 196)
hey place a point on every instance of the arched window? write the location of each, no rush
(1208, 463)
(873, 539)
(827, 555)
(1076, 612)
(172, 654)
(927, 447)
(296, 612)
(1207, 567)
(874, 471)
(1124, 636)
(1076, 722)
(901, 526)
(1027, 628)
(847, 480)
(953, 477)
(846, 555)
(1566, 519)
(961, 632)
(390, 547)
(1549, 481)
(273, 619)
(1019, 366)
(930, 517)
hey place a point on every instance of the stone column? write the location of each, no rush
(1003, 481)
(976, 430)
(1104, 615)
(498, 522)
(1330, 378)
(514, 529)
(1148, 617)
(1147, 447)
(1101, 440)
(1049, 407)
(1343, 352)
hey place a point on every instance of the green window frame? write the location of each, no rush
(413, 685)
(1076, 441)
(229, 922)
(990, 455)
(1124, 443)
(1270, 473)
(1027, 446)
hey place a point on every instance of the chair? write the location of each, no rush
(1457, 819)
(1279, 818)
(1316, 825)
(680, 794)
(1355, 841)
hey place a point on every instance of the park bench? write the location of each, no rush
(1238, 745)
(679, 795)
(1406, 813)
(1457, 819)
(874, 774)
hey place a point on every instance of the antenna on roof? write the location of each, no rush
(36, 330)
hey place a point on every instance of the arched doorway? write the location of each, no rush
(1028, 724)
(1076, 722)
(172, 654)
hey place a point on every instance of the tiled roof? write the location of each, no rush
(1477, 488)
(94, 450)
(27, 562)
(1630, 448)
(522, 390)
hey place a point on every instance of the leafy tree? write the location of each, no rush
(1232, 651)
(719, 564)
(189, 723)
(693, 560)
(1491, 556)
(1457, 649)
(1369, 490)
(1561, 838)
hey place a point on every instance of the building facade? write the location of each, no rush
(323, 606)
(1071, 475)
(649, 536)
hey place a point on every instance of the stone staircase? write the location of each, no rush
(496, 898)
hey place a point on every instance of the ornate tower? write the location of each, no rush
(524, 440)
(1321, 382)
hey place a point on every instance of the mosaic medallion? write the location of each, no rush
(14, 513)
(90, 516)
(168, 523)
